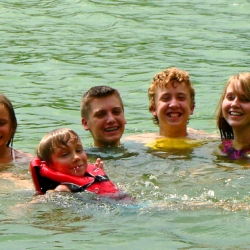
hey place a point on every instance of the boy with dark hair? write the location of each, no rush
(102, 114)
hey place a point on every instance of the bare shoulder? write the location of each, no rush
(200, 134)
(21, 156)
(193, 134)
(142, 138)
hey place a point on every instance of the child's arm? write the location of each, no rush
(99, 163)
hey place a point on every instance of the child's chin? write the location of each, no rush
(78, 174)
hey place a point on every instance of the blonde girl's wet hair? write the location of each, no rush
(240, 81)
(57, 138)
(162, 79)
(13, 121)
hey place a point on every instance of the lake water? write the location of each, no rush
(53, 51)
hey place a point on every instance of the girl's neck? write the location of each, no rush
(242, 139)
(5, 154)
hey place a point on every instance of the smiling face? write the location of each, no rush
(173, 108)
(5, 125)
(70, 159)
(236, 107)
(105, 121)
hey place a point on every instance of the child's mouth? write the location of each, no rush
(111, 129)
(78, 167)
(235, 113)
(175, 114)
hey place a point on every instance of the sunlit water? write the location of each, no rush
(53, 51)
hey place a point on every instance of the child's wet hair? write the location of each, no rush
(239, 81)
(97, 92)
(13, 121)
(162, 79)
(57, 138)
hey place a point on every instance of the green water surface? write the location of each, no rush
(51, 52)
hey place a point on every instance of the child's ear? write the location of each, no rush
(192, 110)
(153, 111)
(85, 123)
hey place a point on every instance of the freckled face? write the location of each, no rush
(71, 159)
(173, 105)
(106, 121)
(5, 126)
(236, 107)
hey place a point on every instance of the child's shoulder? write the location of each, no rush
(21, 156)
(193, 134)
(142, 138)
(200, 134)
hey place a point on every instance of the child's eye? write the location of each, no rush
(230, 97)
(64, 154)
(165, 98)
(245, 99)
(99, 115)
(182, 97)
(117, 111)
(79, 150)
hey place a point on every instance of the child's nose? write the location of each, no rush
(76, 157)
(235, 102)
(110, 118)
(174, 103)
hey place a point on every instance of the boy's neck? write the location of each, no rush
(99, 144)
(174, 132)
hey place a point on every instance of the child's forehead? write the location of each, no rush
(180, 86)
(4, 110)
(2, 105)
(72, 141)
(236, 87)
(101, 102)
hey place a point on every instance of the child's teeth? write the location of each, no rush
(235, 113)
(174, 115)
(111, 129)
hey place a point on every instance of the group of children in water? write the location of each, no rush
(172, 101)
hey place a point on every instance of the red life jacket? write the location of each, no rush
(95, 180)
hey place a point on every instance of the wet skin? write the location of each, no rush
(173, 108)
(71, 159)
(106, 121)
(5, 134)
(5, 123)
(236, 111)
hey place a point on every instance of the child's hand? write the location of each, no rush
(62, 188)
(99, 163)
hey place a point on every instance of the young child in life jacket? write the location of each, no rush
(233, 118)
(8, 125)
(61, 165)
